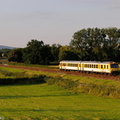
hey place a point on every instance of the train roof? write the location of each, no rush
(66, 61)
(88, 62)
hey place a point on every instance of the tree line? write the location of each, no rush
(91, 44)
(36, 52)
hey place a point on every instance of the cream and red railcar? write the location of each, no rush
(90, 66)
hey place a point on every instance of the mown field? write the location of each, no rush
(50, 102)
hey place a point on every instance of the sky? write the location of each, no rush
(53, 21)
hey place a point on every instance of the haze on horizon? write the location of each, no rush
(53, 21)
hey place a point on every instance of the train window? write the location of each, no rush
(101, 66)
(96, 66)
(72, 65)
(79, 65)
(76, 65)
(64, 64)
(90, 66)
(114, 65)
(107, 66)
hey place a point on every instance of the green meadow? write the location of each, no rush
(45, 102)
(50, 102)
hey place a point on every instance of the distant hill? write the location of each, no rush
(6, 47)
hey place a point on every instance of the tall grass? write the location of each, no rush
(101, 90)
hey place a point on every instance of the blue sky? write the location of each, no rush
(53, 21)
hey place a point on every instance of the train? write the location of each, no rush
(107, 67)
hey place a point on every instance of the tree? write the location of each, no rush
(112, 37)
(55, 49)
(37, 53)
(16, 55)
(67, 53)
(95, 43)
(4, 52)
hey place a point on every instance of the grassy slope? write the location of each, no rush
(50, 102)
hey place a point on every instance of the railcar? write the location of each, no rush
(90, 66)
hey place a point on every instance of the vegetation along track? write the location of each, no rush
(94, 75)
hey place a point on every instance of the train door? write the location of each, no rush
(79, 67)
(102, 68)
(82, 67)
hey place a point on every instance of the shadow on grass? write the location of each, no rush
(31, 96)
(54, 110)
(64, 110)
(22, 81)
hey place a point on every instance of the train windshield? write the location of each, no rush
(114, 65)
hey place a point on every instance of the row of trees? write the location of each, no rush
(87, 44)
(36, 52)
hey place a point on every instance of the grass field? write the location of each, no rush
(49, 102)
(44, 102)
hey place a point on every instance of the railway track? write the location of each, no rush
(94, 75)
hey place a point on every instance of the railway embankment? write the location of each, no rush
(98, 87)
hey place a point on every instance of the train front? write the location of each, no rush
(114, 68)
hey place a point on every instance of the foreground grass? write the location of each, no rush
(44, 102)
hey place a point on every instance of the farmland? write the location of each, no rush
(50, 102)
